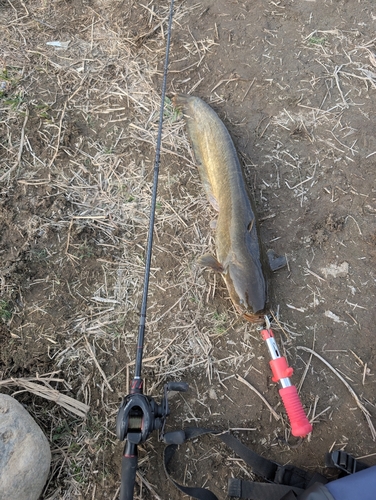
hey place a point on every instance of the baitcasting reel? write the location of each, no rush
(139, 415)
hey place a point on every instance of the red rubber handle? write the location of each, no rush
(300, 425)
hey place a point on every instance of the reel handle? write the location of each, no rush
(177, 386)
(128, 471)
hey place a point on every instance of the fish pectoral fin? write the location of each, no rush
(275, 261)
(208, 260)
(213, 201)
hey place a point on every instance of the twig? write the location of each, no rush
(58, 135)
(91, 353)
(280, 326)
(350, 389)
(300, 309)
(148, 485)
(335, 74)
(299, 183)
(228, 80)
(366, 456)
(168, 310)
(319, 414)
(300, 385)
(116, 494)
(364, 373)
(314, 274)
(242, 429)
(20, 149)
(147, 360)
(47, 392)
(248, 89)
(357, 225)
(245, 382)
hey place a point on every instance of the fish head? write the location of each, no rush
(247, 289)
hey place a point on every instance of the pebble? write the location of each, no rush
(25, 455)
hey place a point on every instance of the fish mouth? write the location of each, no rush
(254, 318)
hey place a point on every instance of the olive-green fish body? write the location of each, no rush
(237, 239)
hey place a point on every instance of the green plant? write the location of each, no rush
(5, 310)
(220, 320)
(85, 251)
(14, 101)
(39, 254)
(77, 472)
(317, 40)
(9, 78)
(43, 110)
(169, 112)
(61, 432)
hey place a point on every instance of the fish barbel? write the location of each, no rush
(240, 257)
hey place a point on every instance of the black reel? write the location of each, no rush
(140, 415)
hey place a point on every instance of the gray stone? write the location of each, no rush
(25, 455)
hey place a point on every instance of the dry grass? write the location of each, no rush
(78, 134)
(45, 390)
(87, 121)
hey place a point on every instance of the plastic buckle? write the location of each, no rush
(343, 461)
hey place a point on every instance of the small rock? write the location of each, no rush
(25, 455)
(334, 317)
(336, 270)
(212, 394)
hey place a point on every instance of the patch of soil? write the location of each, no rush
(294, 82)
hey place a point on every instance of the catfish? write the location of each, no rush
(240, 256)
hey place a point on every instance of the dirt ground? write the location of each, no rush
(294, 81)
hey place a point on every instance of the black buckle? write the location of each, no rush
(342, 461)
(292, 476)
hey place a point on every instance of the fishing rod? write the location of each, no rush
(139, 415)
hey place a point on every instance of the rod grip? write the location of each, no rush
(128, 471)
(300, 425)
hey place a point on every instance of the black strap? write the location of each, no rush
(255, 491)
(194, 492)
(270, 471)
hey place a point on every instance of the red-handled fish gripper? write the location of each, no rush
(300, 425)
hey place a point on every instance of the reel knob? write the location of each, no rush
(174, 437)
(177, 386)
